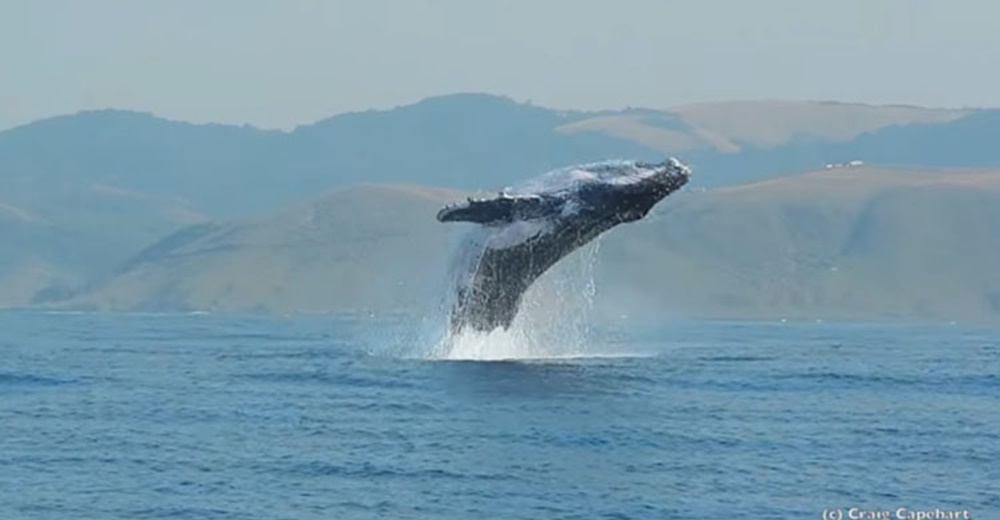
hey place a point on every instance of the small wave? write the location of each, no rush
(737, 359)
(327, 378)
(8, 379)
(372, 470)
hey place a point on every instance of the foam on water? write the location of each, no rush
(553, 321)
(488, 346)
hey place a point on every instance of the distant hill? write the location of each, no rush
(852, 243)
(967, 142)
(226, 171)
(100, 185)
(466, 141)
(47, 247)
(355, 249)
(733, 126)
(81, 193)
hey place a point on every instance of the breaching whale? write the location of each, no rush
(521, 233)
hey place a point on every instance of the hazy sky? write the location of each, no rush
(278, 63)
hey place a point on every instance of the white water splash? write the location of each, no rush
(553, 321)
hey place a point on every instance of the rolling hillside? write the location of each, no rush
(80, 194)
(852, 243)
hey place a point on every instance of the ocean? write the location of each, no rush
(205, 416)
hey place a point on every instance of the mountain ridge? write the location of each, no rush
(79, 195)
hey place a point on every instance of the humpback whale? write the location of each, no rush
(521, 233)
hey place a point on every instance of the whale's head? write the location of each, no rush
(609, 191)
(625, 191)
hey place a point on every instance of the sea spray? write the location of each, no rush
(554, 318)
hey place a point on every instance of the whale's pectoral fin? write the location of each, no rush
(505, 208)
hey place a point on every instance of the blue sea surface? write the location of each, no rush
(208, 416)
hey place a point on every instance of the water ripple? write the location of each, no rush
(191, 417)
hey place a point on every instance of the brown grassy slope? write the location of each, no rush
(360, 248)
(45, 248)
(852, 243)
(771, 123)
(861, 243)
(728, 126)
